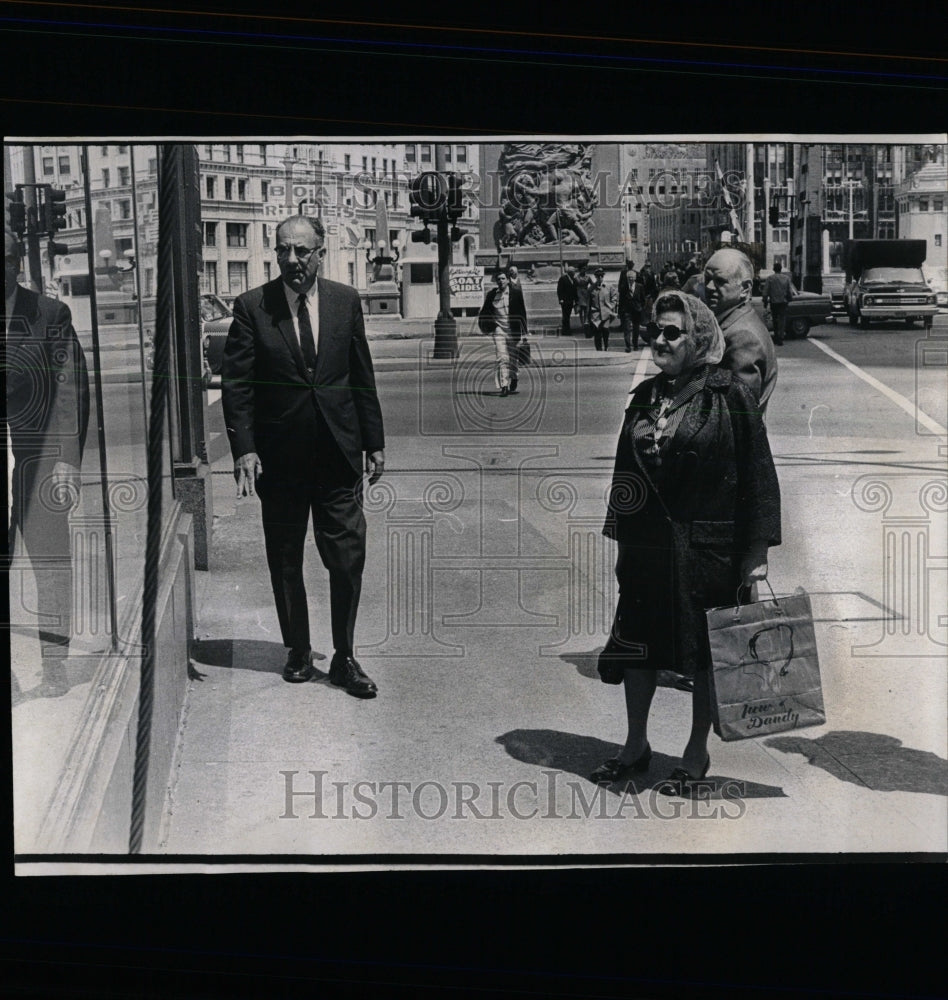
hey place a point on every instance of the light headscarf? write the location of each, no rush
(700, 325)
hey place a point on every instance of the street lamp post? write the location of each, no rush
(446, 330)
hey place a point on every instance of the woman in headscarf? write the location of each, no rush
(694, 506)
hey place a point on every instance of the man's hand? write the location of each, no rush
(754, 564)
(65, 483)
(247, 470)
(375, 466)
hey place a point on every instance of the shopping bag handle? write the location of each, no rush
(737, 599)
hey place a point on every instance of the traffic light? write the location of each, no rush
(455, 195)
(18, 214)
(421, 235)
(774, 216)
(426, 192)
(456, 233)
(54, 249)
(54, 210)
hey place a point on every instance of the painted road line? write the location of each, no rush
(906, 404)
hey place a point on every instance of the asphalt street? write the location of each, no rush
(489, 592)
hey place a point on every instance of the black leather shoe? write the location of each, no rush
(299, 667)
(613, 769)
(681, 783)
(513, 385)
(504, 390)
(344, 671)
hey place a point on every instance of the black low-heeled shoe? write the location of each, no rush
(614, 769)
(681, 783)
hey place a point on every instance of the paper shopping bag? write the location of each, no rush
(765, 675)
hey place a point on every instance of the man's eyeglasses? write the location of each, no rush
(670, 332)
(301, 252)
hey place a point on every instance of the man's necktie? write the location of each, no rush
(307, 343)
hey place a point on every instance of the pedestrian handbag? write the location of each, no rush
(523, 352)
(765, 672)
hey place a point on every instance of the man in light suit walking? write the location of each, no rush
(301, 409)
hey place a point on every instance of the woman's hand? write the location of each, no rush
(754, 564)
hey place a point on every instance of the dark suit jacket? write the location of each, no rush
(516, 312)
(566, 290)
(47, 404)
(269, 405)
(631, 294)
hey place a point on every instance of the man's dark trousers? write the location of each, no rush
(778, 312)
(631, 322)
(328, 496)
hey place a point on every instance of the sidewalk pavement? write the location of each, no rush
(490, 711)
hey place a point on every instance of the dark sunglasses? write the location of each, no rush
(670, 332)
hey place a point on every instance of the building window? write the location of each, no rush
(385, 166)
(64, 167)
(210, 234)
(104, 150)
(388, 199)
(210, 186)
(923, 204)
(237, 234)
(461, 156)
(264, 190)
(153, 166)
(263, 153)
(351, 277)
(447, 154)
(209, 277)
(226, 149)
(122, 150)
(124, 178)
(241, 190)
(125, 209)
(237, 277)
(425, 153)
(149, 288)
(633, 230)
(105, 177)
(265, 229)
(365, 164)
(395, 201)
(267, 270)
(939, 204)
(122, 245)
(409, 155)
(374, 165)
(240, 152)
(228, 189)
(208, 151)
(370, 236)
(48, 168)
(937, 239)
(347, 162)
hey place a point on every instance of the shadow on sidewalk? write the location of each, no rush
(876, 761)
(578, 755)
(243, 654)
(586, 665)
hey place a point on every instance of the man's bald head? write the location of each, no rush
(728, 279)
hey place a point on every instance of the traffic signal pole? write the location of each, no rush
(32, 216)
(446, 331)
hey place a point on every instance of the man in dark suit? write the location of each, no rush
(566, 293)
(603, 303)
(301, 407)
(777, 293)
(749, 352)
(47, 416)
(631, 304)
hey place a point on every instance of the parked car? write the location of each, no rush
(886, 282)
(216, 317)
(806, 309)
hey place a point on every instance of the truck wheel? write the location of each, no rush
(863, 323)
(800, 326)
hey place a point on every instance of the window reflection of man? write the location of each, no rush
(47, 415)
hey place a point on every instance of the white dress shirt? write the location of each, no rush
(312, 307)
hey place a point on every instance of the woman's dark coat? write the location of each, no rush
(681, 544)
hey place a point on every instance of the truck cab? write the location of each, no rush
(884, 281)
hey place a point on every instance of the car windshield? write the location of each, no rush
(876, 274)
(213, 308)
